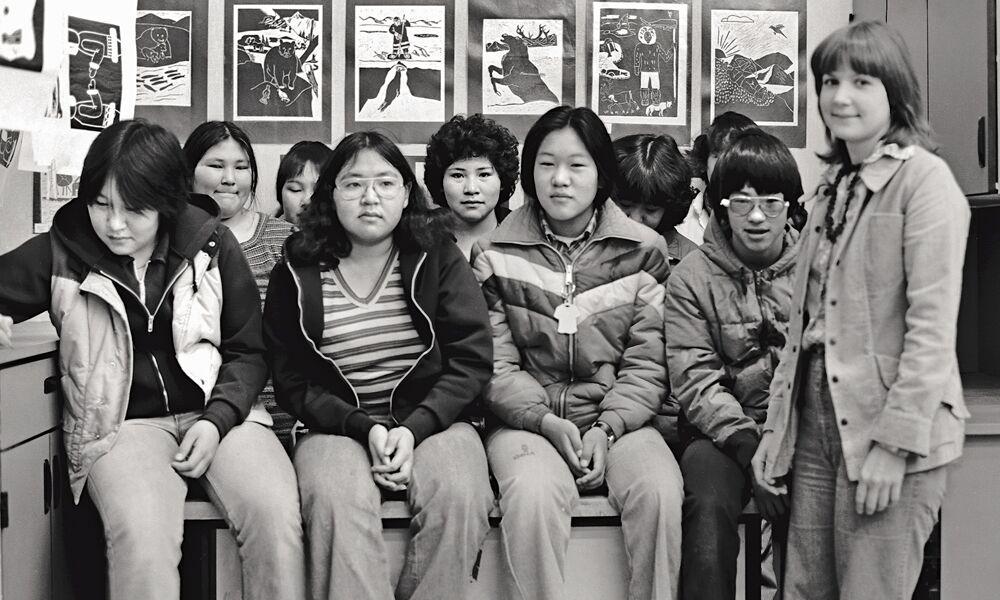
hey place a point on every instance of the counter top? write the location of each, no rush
(31, 338)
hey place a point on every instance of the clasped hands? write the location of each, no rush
(586, 455)
(391, 451)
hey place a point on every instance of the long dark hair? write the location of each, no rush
(321, 238)
(875, 49)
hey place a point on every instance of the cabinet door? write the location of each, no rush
(26, 542)
(29, 401)
(960, 97)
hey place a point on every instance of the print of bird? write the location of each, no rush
(777, 29)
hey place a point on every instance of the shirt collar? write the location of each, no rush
(587, 231)
(882, 164)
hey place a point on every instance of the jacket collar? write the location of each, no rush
(719, 249)
(880, 166)
(524, 226)
(198, 219)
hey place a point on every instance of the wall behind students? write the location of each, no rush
(823, 16)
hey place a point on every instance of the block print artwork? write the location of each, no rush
(8, 145)
(277, 63)
(399, 63)
(640, 62)
(95, 74)
(52, 191)
(522, 65)
(755, 65)
(21, 41)
(163, 58)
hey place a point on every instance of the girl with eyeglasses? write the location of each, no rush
(379, 340)
(726, 315)
(866, 406)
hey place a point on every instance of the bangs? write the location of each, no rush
(881, 54)
(757, 160)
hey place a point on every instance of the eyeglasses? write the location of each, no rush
(741, 205)
(386, 188)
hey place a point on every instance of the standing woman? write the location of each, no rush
(380, 341)
(866, 405)
(162, 357)
(575, 290)
(223, 166)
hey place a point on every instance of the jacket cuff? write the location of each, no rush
(533, 418)
(741, 446)
(903, 429)
(616, 422)
(422, 422)
(221, 414)
(358, 425)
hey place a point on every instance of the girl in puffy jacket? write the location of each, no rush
(726, 318)
(866, 406)
(575, 292)
(380, 342)
(162, 358)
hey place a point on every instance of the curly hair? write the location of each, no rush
(474, 136)
(655, 174)
(322, 239)
(763, 162)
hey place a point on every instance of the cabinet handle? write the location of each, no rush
(57, 483)
(981, 142)
(50, 384)
(47, 484)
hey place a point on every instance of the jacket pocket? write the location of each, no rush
(888, 369)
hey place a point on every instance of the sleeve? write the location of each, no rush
(641, 384)
(463, 335)
(26, 284)
(698, 374)
(244, 370)
(295, 391)
(935, 230)
(512, 394)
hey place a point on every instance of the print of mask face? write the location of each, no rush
(647, 35)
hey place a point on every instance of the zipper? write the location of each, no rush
(430, 325)
(163, 386)
(568, 288)
(302, 328)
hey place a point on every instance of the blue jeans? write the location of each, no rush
(141, 502)
(450, 500)
(537, 497)
(833, 552)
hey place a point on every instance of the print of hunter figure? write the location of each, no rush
(400, 40)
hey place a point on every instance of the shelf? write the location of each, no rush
(982, 397)
(984, 200)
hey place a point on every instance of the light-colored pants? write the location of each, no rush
(833, 552)
(450, 500)
(537, 497)
(141, 502)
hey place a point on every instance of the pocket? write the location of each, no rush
(884, 248)
(888, 369)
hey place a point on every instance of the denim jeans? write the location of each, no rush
(450, 499)
(537, 497)
(833, 552)
(141, 502)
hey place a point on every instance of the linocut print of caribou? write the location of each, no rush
(528, 78)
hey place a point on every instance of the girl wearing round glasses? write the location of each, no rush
(866, 406)
(379, 341)
(575, 289)
(721, 354)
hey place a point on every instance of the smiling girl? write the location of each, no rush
(866, 407)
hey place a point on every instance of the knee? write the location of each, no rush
(707, 505)
(144, 537)
(655, 494)
(531, 495)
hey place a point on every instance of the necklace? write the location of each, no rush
(833, 231)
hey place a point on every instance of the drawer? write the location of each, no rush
(27, 408)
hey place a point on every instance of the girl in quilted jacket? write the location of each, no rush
(575, 292)
(162, 358)
(726, 318)
(866, 407)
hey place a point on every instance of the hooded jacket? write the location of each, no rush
(718, 355)
(612, 369)
(450, 317)
(215, 335)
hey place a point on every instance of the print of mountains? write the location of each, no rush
(151, 19)
(772, 67)
(388, 21)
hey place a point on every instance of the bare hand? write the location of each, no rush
(197, 450)
(377, 437)
(6, 331)
(565, 436)
(395, 475)
(880, 481)
(767, 453)
(771, 506)
(593, 460)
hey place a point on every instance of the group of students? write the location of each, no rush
(812, 371)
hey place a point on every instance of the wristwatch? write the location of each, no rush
(607, 430)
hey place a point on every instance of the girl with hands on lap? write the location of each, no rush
(864, 419)
(379, 340)
(575, 292)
